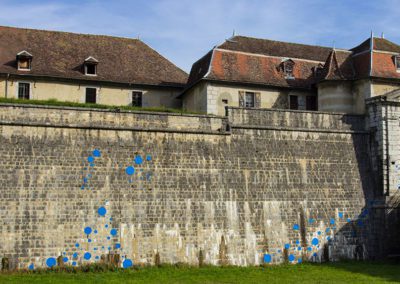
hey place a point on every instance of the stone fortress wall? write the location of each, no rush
(255, 186)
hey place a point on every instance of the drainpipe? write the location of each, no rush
(6, 86)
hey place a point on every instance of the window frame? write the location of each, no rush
(397, 62)
(253, 94)
(136, 92)
(87, 64)
(29, 90)
(95, 97)
(29, 60)
(289, 72)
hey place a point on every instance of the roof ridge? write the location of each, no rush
(73, 33)
(288, 42)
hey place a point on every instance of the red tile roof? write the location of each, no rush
(61, 54)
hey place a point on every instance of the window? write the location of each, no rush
(225, 101)
(293, 102)
(397, 61)
(311, 103)
(91, 95)
(90, 66)
(288, 66)
(137, 99)
(24, 61)
(90, 69)
(24, 91)
(249, 99)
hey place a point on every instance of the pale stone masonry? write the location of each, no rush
(81, 184)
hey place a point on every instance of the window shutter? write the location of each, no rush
(257, 100)
(241, 98)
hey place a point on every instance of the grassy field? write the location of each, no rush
(344, 272)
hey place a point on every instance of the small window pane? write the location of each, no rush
(24, 64)
(24, 91)
(293, 102)
(137, 99)
(91, 95)
(90, 69)
(249, 99)
(398, 62)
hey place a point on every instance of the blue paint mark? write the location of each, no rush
(287, 246)
(291, 257)
(75, 255)
(87, 230)
(117, 246)
(90, 159)
(340, 215)
(138, 160)
(127, 263)
(148, 158)
(77, 245)
(314, 241)
(102, 211)
(113, 232)
(267, 258)
(87, 255)
(31, 266)
(51, 261)
(296, 227)
(74, 263)
(130, 170)
(65, 259)
(332, 221)
(96, 153)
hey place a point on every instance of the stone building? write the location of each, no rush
(259, 73)
(37, 64)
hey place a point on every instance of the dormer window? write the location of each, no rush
(90, 66)
(288, 66)
(397, 62)
(24, 61)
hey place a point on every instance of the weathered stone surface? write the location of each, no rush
(257, 189)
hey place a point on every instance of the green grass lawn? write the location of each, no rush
(344, 272)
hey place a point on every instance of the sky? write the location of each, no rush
(183, 31)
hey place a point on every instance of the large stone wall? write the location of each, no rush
(244, 189)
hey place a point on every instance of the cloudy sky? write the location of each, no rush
(184, 30)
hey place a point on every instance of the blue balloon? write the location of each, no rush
(96, 153)
(315, 241)
(267, 258)
(127, 263)
(296, 226)
(130, 170)
(291, 257)
(87, 230)
(138, 160)
(113, 232)
(90, 159)
(87, 255)
(51, 261)
(102, 211)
